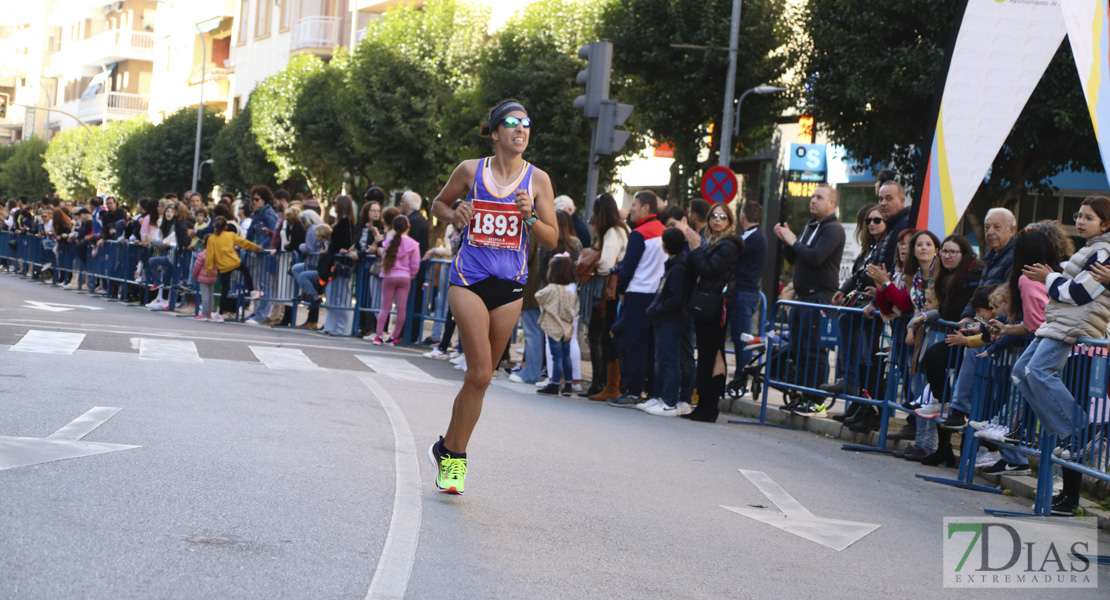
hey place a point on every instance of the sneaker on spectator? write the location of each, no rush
(977, 425)
(515, 378)
(461, 366)
(216, 318)
(252, 322)
(684, 408)
(986, 458)
(543, 382)
(457, 359)
(436, 354)
(1004, 468)
(625, 401)
(956, 419)
(200, 318)
(567, 390)
(663, 410)
(931, 410)
(376, 340)
(575, 387)
(811, 409)
(430, 341)
(157, 304)
(391, 341)
(1064, 506)
(551, 389)
(994, 433)
(650, 402)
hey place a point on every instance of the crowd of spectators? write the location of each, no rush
(655, 292)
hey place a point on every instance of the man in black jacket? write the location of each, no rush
(418, 230)
(816, 258)
(892, 206)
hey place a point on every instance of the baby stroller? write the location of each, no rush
(749, 376)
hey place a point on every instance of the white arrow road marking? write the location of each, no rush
(60, 445)
(284, 358)
(171, 350)
(397, 368)
(58, 307)
(795, 519)
(48, 342)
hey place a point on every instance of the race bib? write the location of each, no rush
(495, 225)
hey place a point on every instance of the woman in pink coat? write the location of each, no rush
(400, 262)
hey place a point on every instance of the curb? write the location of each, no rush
(1023, 485)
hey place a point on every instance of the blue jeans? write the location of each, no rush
(306, 280)
(166, 265)
(1037, 375)
(668, 335)
(965, 383)
(856, 336)
(533, 345)
(744, 309)
(811, 361)
(560, 360)
(633, 342)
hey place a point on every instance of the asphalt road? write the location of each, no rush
(308, 478)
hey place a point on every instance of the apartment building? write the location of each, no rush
(101, 60)
(23, 54)
(192, 46)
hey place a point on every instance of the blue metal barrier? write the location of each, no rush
(433, 299)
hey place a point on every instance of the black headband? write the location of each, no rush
(499, 113)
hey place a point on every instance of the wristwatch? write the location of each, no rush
(532, 219)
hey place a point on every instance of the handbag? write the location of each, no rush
(587, 264)
(706, 306)
(610, 292)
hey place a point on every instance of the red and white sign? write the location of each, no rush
(719, 185)
(495, 225)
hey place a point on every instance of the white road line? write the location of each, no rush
(284, 358)
(48, 342)
(391, 578)
(85, 424)
(171, 350)
(398, 368)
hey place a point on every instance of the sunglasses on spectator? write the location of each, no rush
(718, 217)
(512, 122)
(874, 220)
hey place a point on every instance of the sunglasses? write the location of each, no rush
(512, 122)
(874, 220)
(718, 217)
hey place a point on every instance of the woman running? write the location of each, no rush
(505, 202)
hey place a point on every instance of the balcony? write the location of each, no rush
(103, 107)
(114, 45)
(317, 33)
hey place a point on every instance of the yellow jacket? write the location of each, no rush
(221, 251)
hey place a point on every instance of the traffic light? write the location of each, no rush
(599, 61)
(4, 106)
(608, 139)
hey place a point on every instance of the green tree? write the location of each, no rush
(132, 179)
(238, 162)
(405, 82)
(102, 166)
(679, 93)
(871, 79)
(297, 122)
(158, 159)
(534, 59)
(23, 173)
(63, 161)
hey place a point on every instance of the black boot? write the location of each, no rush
(707, 410)
(944, 454)
(860, 415)
(870, 421)
(851, 413)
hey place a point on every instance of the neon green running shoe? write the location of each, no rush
(450, 472)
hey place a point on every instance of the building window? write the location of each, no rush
(286, 14)
(244, 20)
(262, 27)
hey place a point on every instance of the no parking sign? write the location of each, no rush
(719, 185)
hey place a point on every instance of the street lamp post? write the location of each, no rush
(200, 108)
(730, 84)
(761, 90)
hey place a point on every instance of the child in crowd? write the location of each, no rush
(987, 305)
(400, 262)
(207, 280)
(1077, 307)
(667, 315)
(558, 310)
(221, 256)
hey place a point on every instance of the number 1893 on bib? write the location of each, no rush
(495, 225)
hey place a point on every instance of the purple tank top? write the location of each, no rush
(495, 243)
